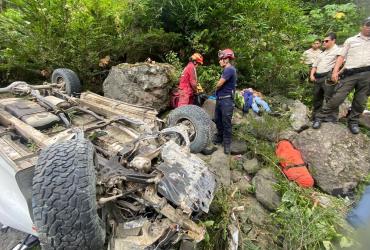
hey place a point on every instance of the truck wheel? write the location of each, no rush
(72, 84)
(64, 199)
(198, 122)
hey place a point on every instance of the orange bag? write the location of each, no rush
(293, 166)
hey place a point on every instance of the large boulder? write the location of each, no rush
(141, 83)
(337, 159)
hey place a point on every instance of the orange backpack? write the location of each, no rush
(292, 164)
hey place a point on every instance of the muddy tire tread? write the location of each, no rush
(64, 198)
(73, 84)
(200, 120)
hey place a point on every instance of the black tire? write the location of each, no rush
(70, 79)
(200, 121)
(64, 199)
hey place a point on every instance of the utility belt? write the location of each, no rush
(321, 75)
(349, 72)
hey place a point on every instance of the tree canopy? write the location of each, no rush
(267, 36)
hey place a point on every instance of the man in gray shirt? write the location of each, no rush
(321, 72)
(356, 75)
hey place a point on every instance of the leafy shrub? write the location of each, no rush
(343, 19)
(304, 224)
(218, 220)
(208, 76)
(42, 34)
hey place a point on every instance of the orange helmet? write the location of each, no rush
(197, 58)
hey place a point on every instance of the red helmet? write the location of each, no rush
(226, 53)
(197, 58)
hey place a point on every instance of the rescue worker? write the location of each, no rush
(225, 89)
(188, 81)
(321, 73)
(310, 55)
(356, 75)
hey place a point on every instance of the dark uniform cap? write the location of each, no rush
(366, 21)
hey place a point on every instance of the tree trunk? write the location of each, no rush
(2, 5)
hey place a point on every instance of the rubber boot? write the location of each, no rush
(227, 149)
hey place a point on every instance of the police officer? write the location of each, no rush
(225, 90)
(321, 73)
(310, 55)
(356, 75)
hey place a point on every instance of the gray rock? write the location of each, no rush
(264, 239)
(243, 185)
(343, 109)
(251, 166)
(365, 120)
(188, 245)
(236, 175)
(209, 106)
(264, 183)
(220, 165)
(255, 224)
(10, 237)
(299, 117)
(253, 212)
(238, 147)
(142, 83)
(206, 158)
(287, 135)
(337, 159)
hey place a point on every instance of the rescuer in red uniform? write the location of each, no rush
(188, 81)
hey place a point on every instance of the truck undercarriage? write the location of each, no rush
(99, 173)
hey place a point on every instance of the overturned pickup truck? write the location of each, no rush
(82, 171)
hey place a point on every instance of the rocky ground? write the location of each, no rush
(260, 197)
(9, 238)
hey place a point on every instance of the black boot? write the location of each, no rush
(227, 149)
(217, 140)
(354, 128)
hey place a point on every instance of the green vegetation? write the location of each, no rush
(31, 145)
(218, 220)
(305, 224)
(267, 36)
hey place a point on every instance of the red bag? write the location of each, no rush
(293, 165)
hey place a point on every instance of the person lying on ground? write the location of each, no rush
(253, 99)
